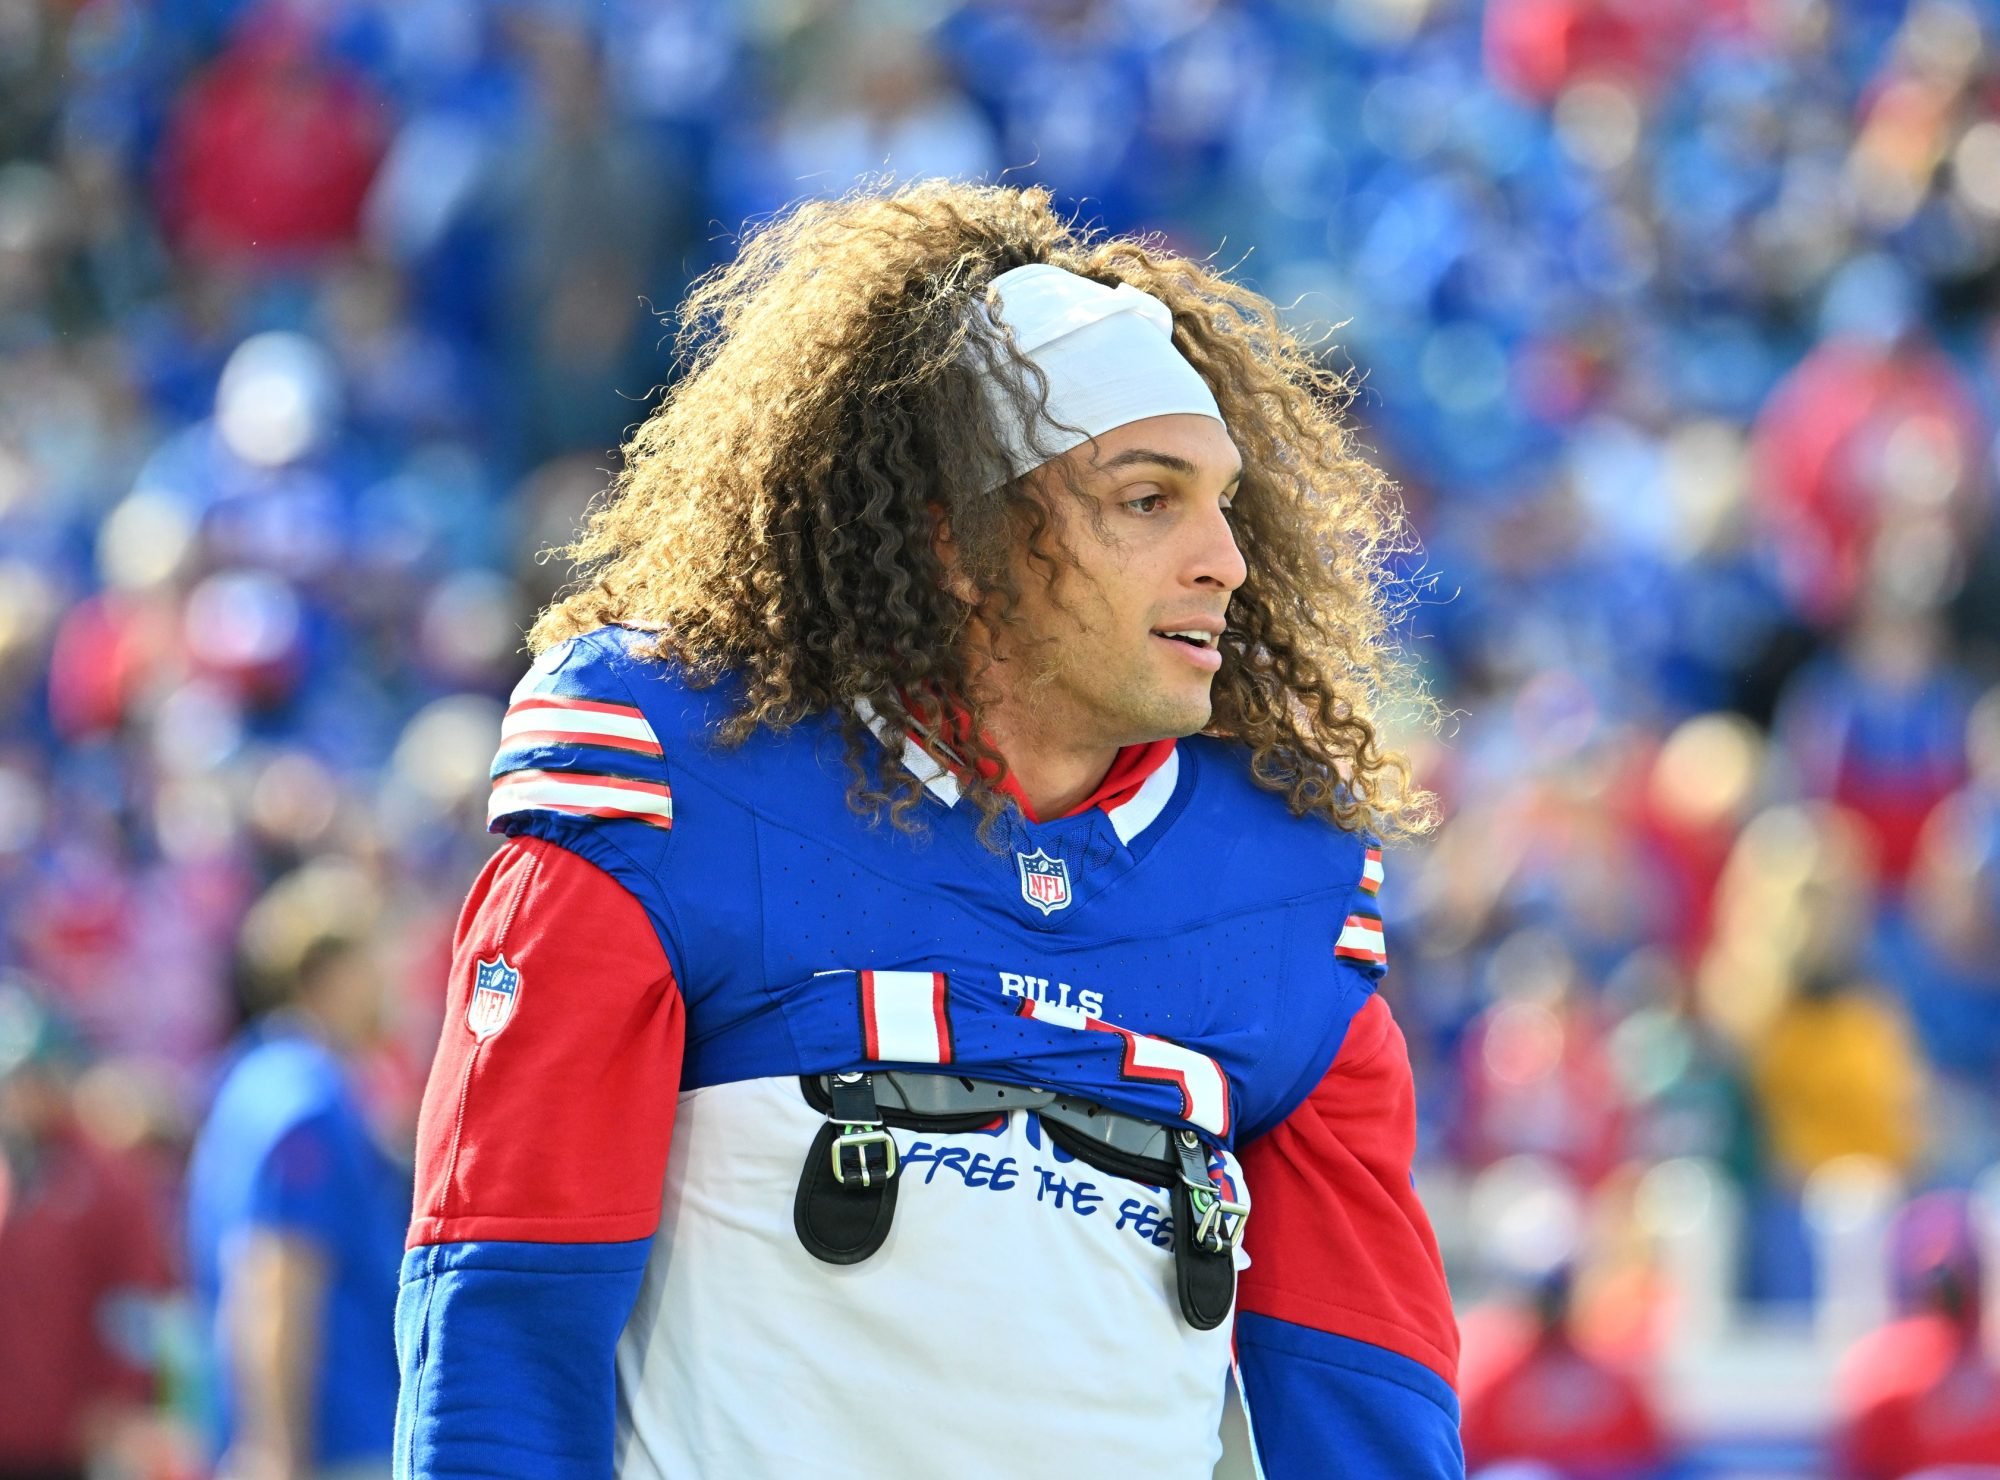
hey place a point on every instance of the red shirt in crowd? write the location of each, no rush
(271, 152)
(1549, 1401)
(75, 1233)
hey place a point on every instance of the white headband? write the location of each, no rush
(1108, 354)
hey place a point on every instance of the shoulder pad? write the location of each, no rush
(574, 743)
(1307, 853)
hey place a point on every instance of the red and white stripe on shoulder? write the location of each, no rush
(582, 794)
(1361, 940)
(545, 719)
(1371, 872)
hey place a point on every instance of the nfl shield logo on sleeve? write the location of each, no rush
(1044, 881)
(496, 987)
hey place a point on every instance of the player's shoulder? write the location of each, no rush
(1264, 848)
(619, 669)
(1226, 801)
(589, 734)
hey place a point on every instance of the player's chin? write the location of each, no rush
(1173, 712)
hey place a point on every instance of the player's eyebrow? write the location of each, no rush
(1166, 460)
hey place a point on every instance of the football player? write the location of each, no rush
(922, 1020)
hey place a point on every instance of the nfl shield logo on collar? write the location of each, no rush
(1044, 881)
(496, 987)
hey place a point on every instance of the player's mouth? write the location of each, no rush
(1200, 645)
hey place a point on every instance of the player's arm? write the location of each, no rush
(542, 1148)
(542, 1145)
(1345, 1337)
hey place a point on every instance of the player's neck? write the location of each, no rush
(1054, 778)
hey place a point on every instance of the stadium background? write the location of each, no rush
(318, 320)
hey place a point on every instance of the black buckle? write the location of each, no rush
(847, 1189)
(859, 1119)
(1207, 1229)
(1218, 1225)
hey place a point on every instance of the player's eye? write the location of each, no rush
(1147, 503)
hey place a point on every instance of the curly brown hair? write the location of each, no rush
(775, 517)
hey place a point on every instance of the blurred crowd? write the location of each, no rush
(320, 320)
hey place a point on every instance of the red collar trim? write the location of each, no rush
(1130, 769)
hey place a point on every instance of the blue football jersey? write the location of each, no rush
(680, 932)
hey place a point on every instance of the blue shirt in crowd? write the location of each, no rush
(287, 1149)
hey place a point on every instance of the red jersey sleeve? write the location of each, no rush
(1339, 1241)
(551, 1101)
(1345, 1338)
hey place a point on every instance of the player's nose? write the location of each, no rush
(1216, 559)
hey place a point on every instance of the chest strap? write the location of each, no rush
(847, 1189)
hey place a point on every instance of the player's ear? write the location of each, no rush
(956, 581)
